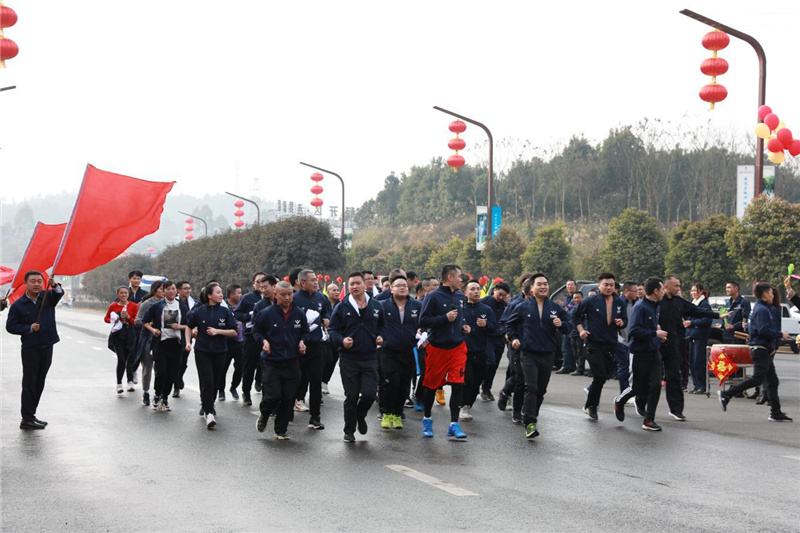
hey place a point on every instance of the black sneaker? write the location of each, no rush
(723, 400)
(677, 416)
(202, 413)
(362, 426)
(409, 403)
(349, 437)
(315, 423)
(42, 422)
(651, 425)
(487, 396)
(257, 386)
(640, 409)
(246, 398)
(780, 417)
(516, 418)
(176, 393)
(146, 398)
(619, 409)
(502, 401)
(282, 436)
(234, 394)
(261, 423)
(591, 412)
(30, 424)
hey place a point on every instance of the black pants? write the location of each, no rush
(36, 362)
(515, 384)
(644, 382)
(251, 368)
(536, 367)
(311, 365)
(279, 386)
(491, 366)
(601, 363)
(167, 361)
(579, 351)
(209, 372)
(235, 354)
(474, 372)
(183, 364)
(330, 356)
(398, 368)
(419, 390)
(126, 358)
(763, 372)
(672, 358)
(360, 382)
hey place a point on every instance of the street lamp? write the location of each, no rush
(342, 182)
(489, 201)
(762, 83)
(258, 211)
(198, 218)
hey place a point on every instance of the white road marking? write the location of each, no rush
(81, 342)
(795, 457)
(438, 483)
(96, 348)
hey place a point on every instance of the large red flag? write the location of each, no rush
(112, 212)
(40, 255)
(6, 274)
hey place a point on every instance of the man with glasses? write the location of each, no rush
(245, 314)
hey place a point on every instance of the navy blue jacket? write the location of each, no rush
(701, 327)
(764, 326)
(283, 335)
(24, 312)
(535, 333)
(244, 311)
(154, 315)
(498, 308)
(317, 301)
(739, 310)
(211, 316)
(479, 337)
(593, 309)
(136, 297)
(399, 337)
(362, 327)
(644, 325)
(444, 334)
(383, 296)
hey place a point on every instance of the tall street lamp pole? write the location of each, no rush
(198, 218)
(490, 198)
(342, 182)
(258, 211)
(762, 83)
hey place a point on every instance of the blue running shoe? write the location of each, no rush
(418, 405)
(454, 431)
(427, 427)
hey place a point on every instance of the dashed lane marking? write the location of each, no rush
(96, 348)
(430, 480)
(795, 457)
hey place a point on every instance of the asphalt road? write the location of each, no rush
(107, 463)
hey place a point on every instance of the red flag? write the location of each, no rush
(6, 274)
(40, 255)
(112, 212)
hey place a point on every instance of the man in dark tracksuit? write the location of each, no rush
(354, 328)
(764, 328)
(738, 313)
(532, 330)
(497, 345)
(644, 345)
(244, 313)
(515, 379)
(281, 331)
(673, 310)
(308, 298)
(483, 330)
(605, 315)
(38, 335)
(401, 322)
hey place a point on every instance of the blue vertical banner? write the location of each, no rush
(497, 220)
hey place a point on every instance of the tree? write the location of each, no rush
(357, 255)
(549, 252)
(635, 247)
(589, 266)
(446, 255)
(501, 256)
(766, 240)
(417, 257)
(698, 253)
(468, 258)
(103, 281)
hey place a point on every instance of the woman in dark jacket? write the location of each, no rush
(697, 332)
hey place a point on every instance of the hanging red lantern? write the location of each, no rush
(8, 17)
(189, 220)
(189, 237)
(455, 160)
(8, 50)
(238, 223)
(327, 277)
(189, 229)
(316, 189)
(150, 249)
(316, 202)
(319, 277)
(714, 66)
(239, 203)
(238, 213)
(339, 280)
(316, 176)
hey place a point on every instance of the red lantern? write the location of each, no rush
(8, 50)
(457, 127)
(189, 220)
(339, 280)
(238, 214)
(8, 17)
(150, 249)
(716, 40)
(189, 237)
(327, 277)
(189, 229)
(316, 176)
(238, 223)
(713, 93)
(456, 144)
(316, 202)
(714, 66)
(239, 203)
(316, 189)
(455, 160)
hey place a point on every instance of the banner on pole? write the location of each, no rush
(480, 227)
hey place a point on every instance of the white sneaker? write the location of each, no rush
(300, 406)
(136, 377)
(130, 386)
(465, 414)
(325, 389)
(119, 388)
(210, 422)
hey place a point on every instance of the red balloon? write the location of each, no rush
(774, 145)
(763, 111)
(794, 149)
(785, 136)
(772, 121)
(498, 280)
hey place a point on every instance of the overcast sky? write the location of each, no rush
(217, 94)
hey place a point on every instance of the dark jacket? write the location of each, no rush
(498, 308)
(593, 310)
(386, 294)
(537, 333)
(700, 328)
(479, 337)
(673, 311)
(154, 315)
(764, 326)
(317, 301)
(444, 334)
(644, 325)
(399, 337)
(211, 316)
(244, 311)
(362, 326)
(136, 297)
(284, 335)
(24, 312)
